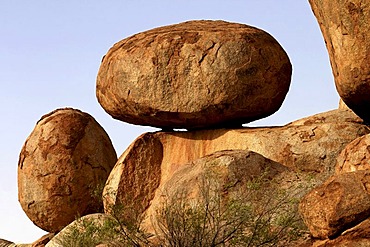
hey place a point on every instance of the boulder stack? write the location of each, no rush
(209, 77)
(196, 74)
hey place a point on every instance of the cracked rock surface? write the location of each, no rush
(345, 26)
(63, 161)
(308, 145)
(196, 74)
(342, 202)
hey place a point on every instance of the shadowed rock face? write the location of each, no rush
(311, 144)
(196, 74)
(63, 161)
(345, 25)
(358, 236)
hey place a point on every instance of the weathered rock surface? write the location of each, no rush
(41, 242)
(340, 203)
(195, 74)
(345, 25)
(229, 169)
(309, 145)
(358, 236)
(355, 156)
(63, 161)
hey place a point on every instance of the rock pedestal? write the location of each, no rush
(310, 145)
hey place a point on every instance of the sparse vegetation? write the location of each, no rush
(259, 213)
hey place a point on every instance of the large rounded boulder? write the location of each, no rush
(196, 74)
(345, 25)
(63, 162)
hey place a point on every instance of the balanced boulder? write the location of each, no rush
(345, 25)
(196, 74)
(63, 162)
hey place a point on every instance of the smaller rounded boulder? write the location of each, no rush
(194, 75)
(63, 162)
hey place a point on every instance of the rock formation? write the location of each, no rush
(196, 74)
(208, 77)
(355, 156)
(340, 203)
(357, 236)
(41, 242)
(63, 161)
(311, 145)
(345, 25)
(229, 169)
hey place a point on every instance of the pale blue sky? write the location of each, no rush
(50, 52)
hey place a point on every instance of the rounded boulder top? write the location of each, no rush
(193, 75)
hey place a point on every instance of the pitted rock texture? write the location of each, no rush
(340, 203)
(311, 145)
(196, 74)
(345, 25)
(355, 156)
(64, 160)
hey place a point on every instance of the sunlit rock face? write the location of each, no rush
(64, 160)
(345, 25)
(340, 203)
(311, 144)
(196, 74)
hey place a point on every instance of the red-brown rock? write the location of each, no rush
(63, 161)
(337, 205)
(358, 236)
(345, 25)
(229, 169)
(195, 74)
(312, 144)
(355, 156)
(41, 242)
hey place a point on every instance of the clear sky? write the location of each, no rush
(50, 52)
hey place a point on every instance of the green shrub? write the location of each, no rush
(257, 214)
